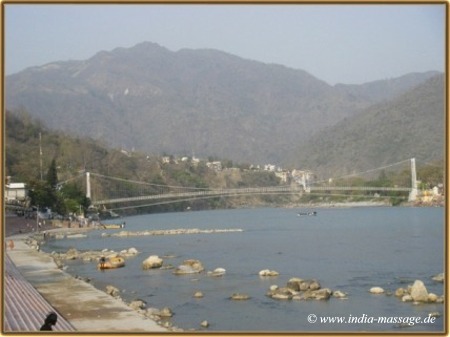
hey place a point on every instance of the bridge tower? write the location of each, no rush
(414, 191)
(88, 185)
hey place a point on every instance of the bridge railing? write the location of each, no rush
(247, 191)
(215, 192)
(359, 188)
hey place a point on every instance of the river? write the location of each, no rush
(347, 249)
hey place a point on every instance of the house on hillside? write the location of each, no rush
(303, 177)
(15, 192)
(214, 165)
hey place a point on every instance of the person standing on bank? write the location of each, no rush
(102, 262)
(50, 320)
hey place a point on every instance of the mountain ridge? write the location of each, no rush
(411, 125)
(202, 102)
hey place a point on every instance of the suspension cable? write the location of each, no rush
(368, 171)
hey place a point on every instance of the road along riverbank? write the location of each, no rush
(85, 307)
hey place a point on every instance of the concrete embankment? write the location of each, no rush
(85, 307)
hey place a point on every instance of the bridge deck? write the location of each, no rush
(248, 191)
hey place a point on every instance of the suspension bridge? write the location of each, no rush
(112, 191)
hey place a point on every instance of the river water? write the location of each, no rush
(347, 249)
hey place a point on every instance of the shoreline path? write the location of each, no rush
(79, 305)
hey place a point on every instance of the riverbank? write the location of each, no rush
(85, 307)
(15, 225)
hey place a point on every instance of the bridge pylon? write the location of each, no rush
(414, 190)
(88, 185)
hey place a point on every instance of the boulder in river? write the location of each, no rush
(190, 266)
(268, 272)
(239, 297)
(198, 294)
(113, 291)
(137, 305)
(72, 254)
(400, 292)
(294, 283)
(439, 277)
(340, 294)
(165, 312)
(217, 272)
(419, 292)
(280, 293)
(152, 262)
(376, 290)
(319, 294)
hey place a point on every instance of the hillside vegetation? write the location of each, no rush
(192, 102)
(64, 158)
(409, 126)
(70, 157)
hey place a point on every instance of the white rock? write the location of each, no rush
(376, 290)
(407, 298)
(432, 297)
(439, 277)
(113, 291)
(279, 296)
(153, 261)
(217, 272)
(267, 272)
(137, 305)
(419, 292)
(198, 294)
(273, 287)
(132, 251)
(190, 266)
(239, 297)
(339, 294)
(165, 312)
(400, 292)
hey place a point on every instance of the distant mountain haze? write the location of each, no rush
(410, 125)
(197, 102)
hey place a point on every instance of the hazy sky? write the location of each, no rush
(335, 43)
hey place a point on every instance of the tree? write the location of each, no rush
(73, 198)
(52, 175)
(41, 194)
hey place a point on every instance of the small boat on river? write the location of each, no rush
(314, 213)
(111, 263)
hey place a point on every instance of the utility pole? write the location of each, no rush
(37, 219)
(40, 153)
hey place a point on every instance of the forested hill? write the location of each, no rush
(202, 102)
(411, 125)
(73, 156)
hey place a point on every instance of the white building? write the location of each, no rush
(15, 191)
(303, 178)
(270, 167)
(214, 165)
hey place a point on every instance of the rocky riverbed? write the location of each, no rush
(178, 231)
(296, 288)
(291, 289)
